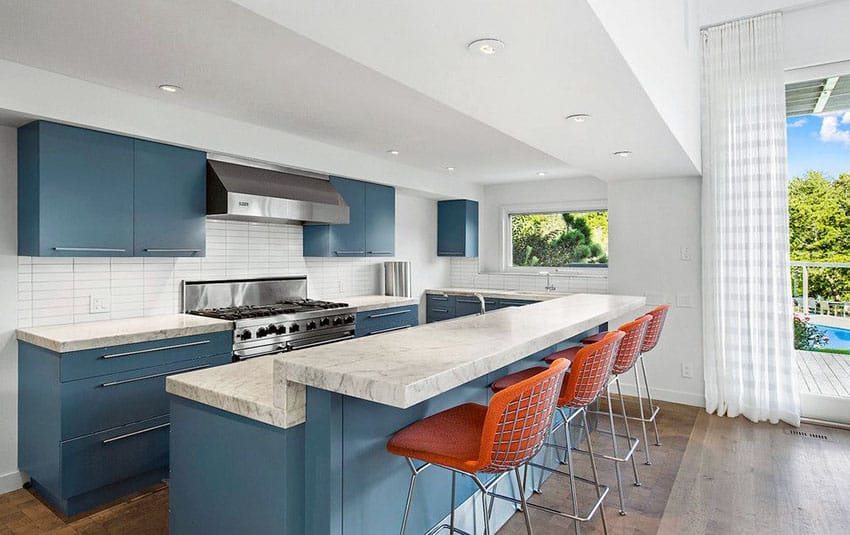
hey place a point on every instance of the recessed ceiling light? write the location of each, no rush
(393, 152)
(623, 153)
(450, 169)
(487, 47)
(541, 173)
(169, 88)
(579, 117)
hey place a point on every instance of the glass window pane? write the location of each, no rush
(559, 239)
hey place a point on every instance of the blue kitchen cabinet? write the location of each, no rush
(93, 424)
(457, 228)
(371, 227)
(75, 192)
(441, 307)
(170, 200)
(386, 320)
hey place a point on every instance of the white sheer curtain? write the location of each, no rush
(749, 354)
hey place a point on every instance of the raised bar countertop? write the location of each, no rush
(80, 336)
(406, 367)
(365, 303)
(519, 295)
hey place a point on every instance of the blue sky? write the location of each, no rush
(819, 142)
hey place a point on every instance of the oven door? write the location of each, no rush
(292, 345)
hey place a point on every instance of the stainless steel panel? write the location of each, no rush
(397, 279)
(199, 295)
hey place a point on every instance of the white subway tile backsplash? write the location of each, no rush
(57, 290)
(465, 274)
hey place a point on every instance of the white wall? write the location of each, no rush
(650, 221)
(9, 477)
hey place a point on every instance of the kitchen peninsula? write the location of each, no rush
(299, 439)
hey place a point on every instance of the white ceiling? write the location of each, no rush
(371, 76)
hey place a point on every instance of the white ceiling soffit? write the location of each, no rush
(558, 60)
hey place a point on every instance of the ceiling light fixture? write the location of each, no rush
(541, 173)
(579, 117)
(487, 47)
(450, 169)
(623, 153)
(170, 88)
(393, 152)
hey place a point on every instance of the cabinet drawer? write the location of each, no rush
(438, 314)
(97, 460)
(106, 401)
(441, 302)
(386, 320)
(514, 303)
(116, 359)
(467, 306)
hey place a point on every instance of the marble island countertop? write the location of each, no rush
(520, 295)
(366, 303)
(406, 367)
(81, 336)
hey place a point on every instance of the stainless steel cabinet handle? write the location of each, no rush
(135, 433)
(90, 249)
(467, 300)
(440, 309)
(173, 250)
(314, 344)
(151, 350)
(435, 297)
(380, 252)
(349, 252)
(135, 379)
(387, 314)
(379, 331)
(449, 253)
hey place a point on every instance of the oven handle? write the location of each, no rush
(314, 344)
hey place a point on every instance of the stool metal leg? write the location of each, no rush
(569, 456)
(642, 417)
(595, 473)
(415, 472)
(651, 403)
(628, 431)
(525, 512)
(616, 453)
(452, 513)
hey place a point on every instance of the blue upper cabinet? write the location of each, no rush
(75, 192)
(170, 200)
(457, 228)
(371, 227)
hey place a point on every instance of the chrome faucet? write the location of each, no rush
(481, 300)
(549, 287)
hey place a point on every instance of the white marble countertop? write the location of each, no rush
(406, 367)
(365, 303)
(80, 336)
(497, 294)
(244, 388)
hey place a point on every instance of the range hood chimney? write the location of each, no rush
(244, 193)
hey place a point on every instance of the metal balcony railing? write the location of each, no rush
(807, 304)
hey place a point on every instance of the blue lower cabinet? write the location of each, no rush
(439, 307)
(386, 320)
(230, 474)
(93, 425)
(444, 307)
(467, 306)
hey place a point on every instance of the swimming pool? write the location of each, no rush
(838, 338)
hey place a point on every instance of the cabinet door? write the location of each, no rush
(85, 200)
(451, 221)
(350, 239)
(170, 200)
(380, 220)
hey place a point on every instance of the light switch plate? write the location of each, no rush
(685, 300)
(98, 303)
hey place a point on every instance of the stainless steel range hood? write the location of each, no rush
(247, 193)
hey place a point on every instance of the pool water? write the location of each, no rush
(838, 338)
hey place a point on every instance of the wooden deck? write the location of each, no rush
(825, 374)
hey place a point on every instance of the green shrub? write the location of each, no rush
(807, 337)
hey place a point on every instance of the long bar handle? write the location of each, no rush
(349, 252)
(323, 342)
(380, 252)
(89, 249)
(135, 379)
(172, 250)
(440, 309)
(449, 253)
(151, 350)
(387, 314)
(134, 433)
(379, 331)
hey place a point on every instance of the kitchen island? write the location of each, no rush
(326, 467)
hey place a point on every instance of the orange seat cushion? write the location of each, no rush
(514, 378)
(569, 354)
(451, 438)
(592, 339)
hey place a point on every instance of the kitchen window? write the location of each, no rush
(556, 239)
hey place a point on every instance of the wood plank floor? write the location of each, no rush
(711, 476)
(824, 374)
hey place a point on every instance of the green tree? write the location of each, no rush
(559, 239)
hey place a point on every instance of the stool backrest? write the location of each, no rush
(519, 419)
(632, 343)
(659, 314)
(590, 370)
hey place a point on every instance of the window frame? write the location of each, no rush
(506, 241)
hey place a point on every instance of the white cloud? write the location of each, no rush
(830, 130)
(800, 122)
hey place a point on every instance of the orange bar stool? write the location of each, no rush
(627, 354)
(653, 334)
(471, 438)
(588, 376)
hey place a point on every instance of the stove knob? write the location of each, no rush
(272, 329)
(337, 321)
(311, 325)
(294, 328)
(261, 332)
(349, 319)
(324, 322)
(245, 335)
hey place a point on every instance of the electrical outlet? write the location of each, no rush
(685, 300)
(687, 371)
(98, 303)
(685, 254)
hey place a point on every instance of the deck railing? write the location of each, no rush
(806, 304)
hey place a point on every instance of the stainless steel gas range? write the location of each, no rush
(270, 315)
